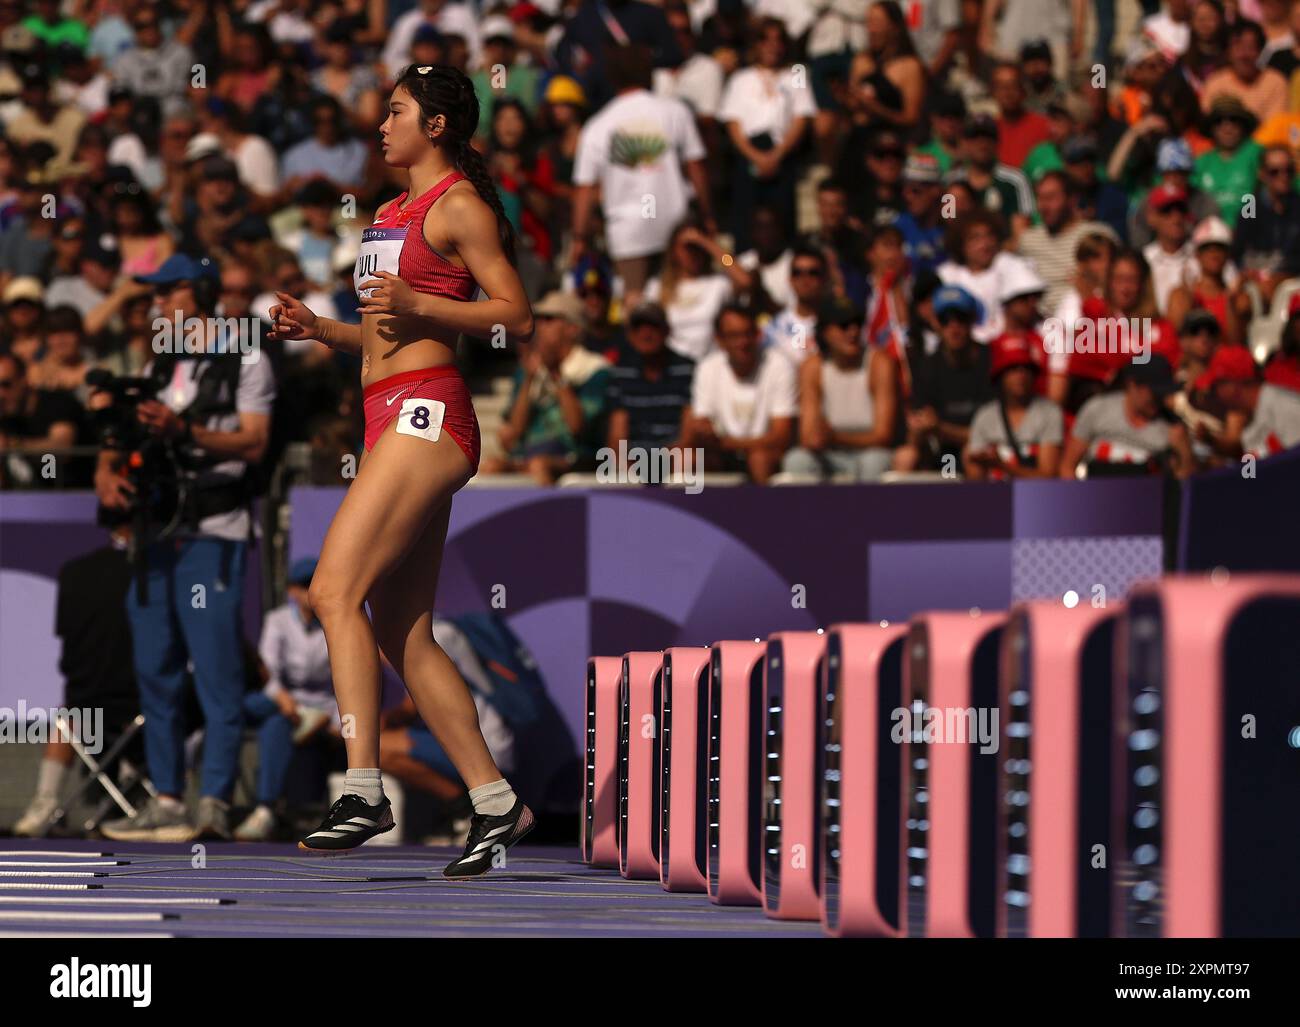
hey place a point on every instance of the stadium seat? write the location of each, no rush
(638, 766)
(735, 773)
(599, 842)
(684, 757)
(861, 791)
(791, 774)
(1054, 767)
(1208, 707)
(950, 787)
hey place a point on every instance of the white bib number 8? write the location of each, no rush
(422, 418)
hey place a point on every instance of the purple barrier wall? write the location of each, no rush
(606, 571)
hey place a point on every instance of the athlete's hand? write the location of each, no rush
(291, 319)
(388, 295)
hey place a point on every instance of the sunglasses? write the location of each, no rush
(887, 154)
(1277, 171)
(806, 272)
(949, 316)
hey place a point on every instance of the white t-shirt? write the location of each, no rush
(775, 276)
(744, 408)
(767, 100)
(634, 149)
(696, 302)
(255, 161)
(698, 82)
(985, 286)
(791, 335)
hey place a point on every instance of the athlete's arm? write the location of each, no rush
(339, 335)
(473, 233)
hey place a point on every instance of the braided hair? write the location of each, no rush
(441, 89)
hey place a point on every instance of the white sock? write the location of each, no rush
(366, 783)
(168, 801)
(494, 798)
(49, 778)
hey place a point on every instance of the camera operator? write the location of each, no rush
(208, 427)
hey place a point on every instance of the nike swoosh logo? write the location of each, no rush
(389, 402)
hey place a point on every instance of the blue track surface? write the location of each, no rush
(281, 891)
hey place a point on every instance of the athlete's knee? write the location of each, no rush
(332, 595)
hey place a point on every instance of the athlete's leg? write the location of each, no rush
(396, 758)
(399, 485)
(401, 604)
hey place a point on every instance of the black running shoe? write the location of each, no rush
(350, 821)
(488, 835)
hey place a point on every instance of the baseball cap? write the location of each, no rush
(563, 89)
(922, 168)
(1079, 150)
(562, 305)
(179, 267)
(648, 313)
(955, 298)
(24, 287)
(1021, 280)
(1166, 195)
(948, 104)
(1007, 351)
(1036, 49)
(1174, 155)
(497, 26)
(1199, 319)
(202, 145)
(839, 311)
(1229, 363)
(301, 570)
(427, 33)
(1212, 231)
(1156, 374)
(981, 125)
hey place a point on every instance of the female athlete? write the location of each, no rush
(419, 268)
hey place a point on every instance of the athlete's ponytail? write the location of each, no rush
(441, 89)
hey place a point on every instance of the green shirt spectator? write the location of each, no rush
(1228, 176)
(65, 30)
(509, 79)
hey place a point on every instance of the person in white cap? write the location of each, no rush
(1209, 285)
(1022, 299)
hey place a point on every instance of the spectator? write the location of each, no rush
(1170, 29)
(848, 397)
(743, 401)
(1043, 90)
(769, 261)
(1020, 129)
(1229, 171)
(881, 201)
(1209, 288)
(27, 242)
(585, 53)
(947, 127)
(1022, 301)
(42, 119)
(317, 241)
(1207, 49)
(1267, 246)
(448, 17)
(524, 176)
(600, 333)
(286, 275)
(998, 187)
(1095, 199)
(1170, 255)
(631, 149)
(255, 159)
(23, 330)
(1174, 165)
(1130, 431)
(64, 366)
(767, 110)
(86, 287)
(563, 109)
(691, 292)
(1050, 246)
(332, 153)
(980, 266)
(296, 702)
(792, 330)
(1061, 128)
(835, 232)
(153, 66)
(1283, 52)
(1144, 66)
(1019, 434)
(558, 408)
(252, 71)
(949, 386)
(1283, 367)
(887, 80)
(502, 75)
(33, 422)
(649, 387)
(1199, 335)
(352, 83)
(1272, 413)
(1262, 90)
(921, 223)
(699, 80)
(143, 243)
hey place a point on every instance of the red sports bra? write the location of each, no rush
(396, 243)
